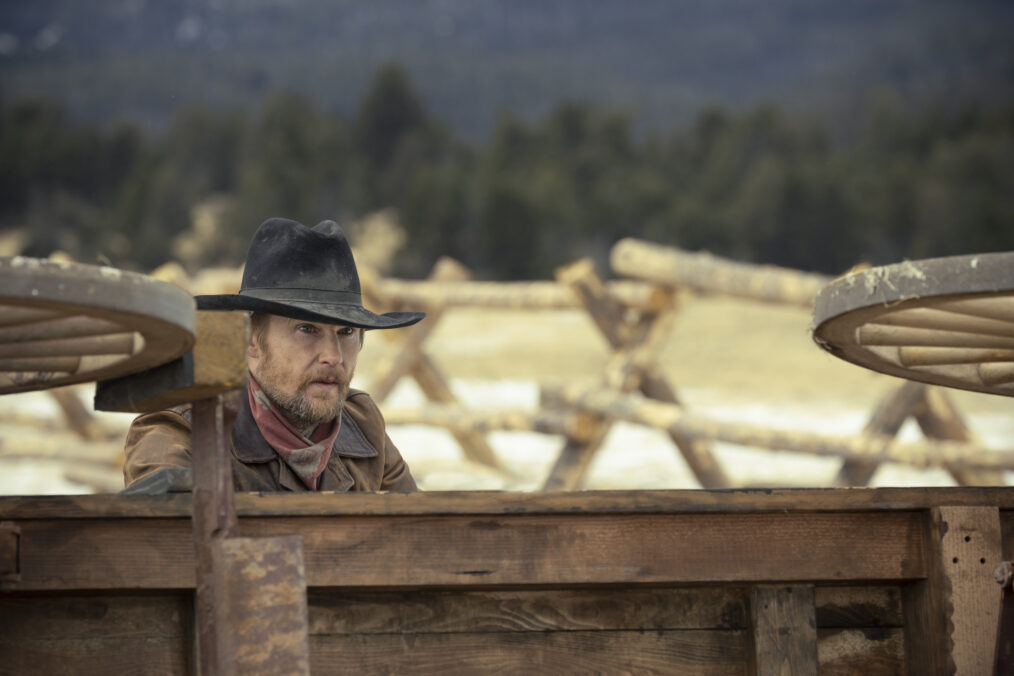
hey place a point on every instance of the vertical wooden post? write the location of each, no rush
(959, 601)
(214, 518)
(251, 592)
(784, 630)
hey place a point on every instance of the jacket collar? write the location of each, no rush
(250, 447)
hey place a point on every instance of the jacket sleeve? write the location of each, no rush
(397, 476)
(156, 441)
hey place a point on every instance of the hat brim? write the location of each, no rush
(325, 313)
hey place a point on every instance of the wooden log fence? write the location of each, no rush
(633, 316)
(863, 447)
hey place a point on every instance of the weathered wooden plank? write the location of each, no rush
(142, 656)
(557, 549)
(756, 500)
(582, 609)
(572, 652)
(454, 611)
(135, 634)
(959, 602)
(784, 630)
(514, 549)
(970, 551)
(263, 606)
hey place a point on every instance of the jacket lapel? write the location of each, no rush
(250, 448)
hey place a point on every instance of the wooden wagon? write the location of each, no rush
(832, 581)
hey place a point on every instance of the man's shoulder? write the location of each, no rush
(361, 406)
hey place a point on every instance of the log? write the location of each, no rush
(509, 295)
(939, 418)
(78, 417)
(637, 409)
(707, 273)
(636, 345)
(455, 417)
(887, 419)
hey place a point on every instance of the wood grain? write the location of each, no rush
(570, 652)
(784, 630)
(753, 500)
(136, 634)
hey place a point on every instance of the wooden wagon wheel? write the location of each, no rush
(64, 323)
(943, 321)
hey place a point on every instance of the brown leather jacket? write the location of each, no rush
(363, 457)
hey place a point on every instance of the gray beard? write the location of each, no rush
(300, 413)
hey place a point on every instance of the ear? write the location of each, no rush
(253, 350)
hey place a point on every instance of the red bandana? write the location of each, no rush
(306, 456)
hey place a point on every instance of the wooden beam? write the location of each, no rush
(471, 550)
(784, 630)
(166, 508)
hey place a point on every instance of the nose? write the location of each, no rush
(331, 350)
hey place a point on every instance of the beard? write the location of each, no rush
(303, 411)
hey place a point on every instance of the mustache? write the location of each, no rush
(328, 376)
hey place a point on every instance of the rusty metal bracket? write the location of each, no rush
(10, 555)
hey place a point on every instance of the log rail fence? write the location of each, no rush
(634, 314)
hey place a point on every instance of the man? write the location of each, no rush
(298, 426)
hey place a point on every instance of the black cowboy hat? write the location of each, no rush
(304, 273)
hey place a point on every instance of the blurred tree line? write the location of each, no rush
(759, 186)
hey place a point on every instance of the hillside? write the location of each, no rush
(472, 59)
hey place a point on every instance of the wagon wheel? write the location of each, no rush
(64, 323)
(944, 321)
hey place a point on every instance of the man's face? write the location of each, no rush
(304, 367)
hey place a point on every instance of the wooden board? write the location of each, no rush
(96, 634)
(515, 550)
(669, 582)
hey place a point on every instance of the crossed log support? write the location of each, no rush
(634, 316)
(635, 337)
(410, 359)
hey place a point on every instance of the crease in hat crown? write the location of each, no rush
(304, 273)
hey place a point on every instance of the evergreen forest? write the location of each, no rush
(761, 184)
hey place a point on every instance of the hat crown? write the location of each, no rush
(285, 254)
